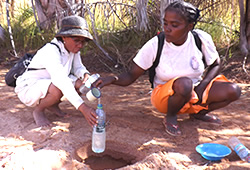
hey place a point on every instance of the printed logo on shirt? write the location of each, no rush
(194, 63)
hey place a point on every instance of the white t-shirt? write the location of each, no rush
(61, 69)
(178, 61)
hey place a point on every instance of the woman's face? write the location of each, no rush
(176, 28)
(74, 44)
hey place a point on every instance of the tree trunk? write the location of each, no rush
(49, 11)
(244, 30)
(243, 26)
(164, 4)
(248, 23)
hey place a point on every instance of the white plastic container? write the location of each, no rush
(99, 133)
(88, 83)
(239, 148)
(93, 94)
(98, 140)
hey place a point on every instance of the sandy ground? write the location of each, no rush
(135, 135)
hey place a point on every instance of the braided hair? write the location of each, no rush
(187, 10)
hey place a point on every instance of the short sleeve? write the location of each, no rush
(147, 54)
(208, 47)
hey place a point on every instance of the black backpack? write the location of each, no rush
(161, 37)
(20, 67)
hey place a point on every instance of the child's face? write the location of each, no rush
(176, 28)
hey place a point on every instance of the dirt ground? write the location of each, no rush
(135, 134)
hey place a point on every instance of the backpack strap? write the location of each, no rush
(56, 46)
(44, 68)
(198, 44)
(161, 37)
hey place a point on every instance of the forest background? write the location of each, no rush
(120, 28)
(135, 132)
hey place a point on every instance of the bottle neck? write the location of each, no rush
(99, 106)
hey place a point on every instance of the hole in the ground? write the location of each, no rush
(105, 162)
(115, 156)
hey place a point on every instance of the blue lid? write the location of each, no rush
(99, 106)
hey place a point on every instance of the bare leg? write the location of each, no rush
(52, 97)
(40, 118)
(55, 109)
(220, 95)
(183, 92)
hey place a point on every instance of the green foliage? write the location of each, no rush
(118, 35)
(223, 25)
(108, 21)
(214, 29)
(222, 35)
(25, 32)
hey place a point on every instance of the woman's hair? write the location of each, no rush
(185, 9)
(59, 39)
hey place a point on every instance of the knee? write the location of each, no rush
(234, 92)
(55, 92)
(58, 94)
(183, 86)
(78, 84)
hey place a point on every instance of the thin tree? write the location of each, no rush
(9, 28)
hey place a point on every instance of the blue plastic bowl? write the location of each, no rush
(213, 151)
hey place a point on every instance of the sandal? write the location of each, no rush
(207, 118)
(171, 129)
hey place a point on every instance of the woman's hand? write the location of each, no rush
(80, 82)
(104, 81)
(199, 91)
(123, 79)
(89, 114)
(212, 71)
(85, 78)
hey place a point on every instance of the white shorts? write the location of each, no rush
(30, 91)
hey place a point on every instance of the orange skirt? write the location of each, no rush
(160, 95)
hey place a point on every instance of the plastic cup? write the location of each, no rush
(91, 80)
(93, 94)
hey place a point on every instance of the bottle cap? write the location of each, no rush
(99, 106)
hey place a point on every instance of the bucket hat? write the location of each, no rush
(74, 26)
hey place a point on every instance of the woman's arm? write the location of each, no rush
(212, 71)
(123, 79)
(79, 70)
